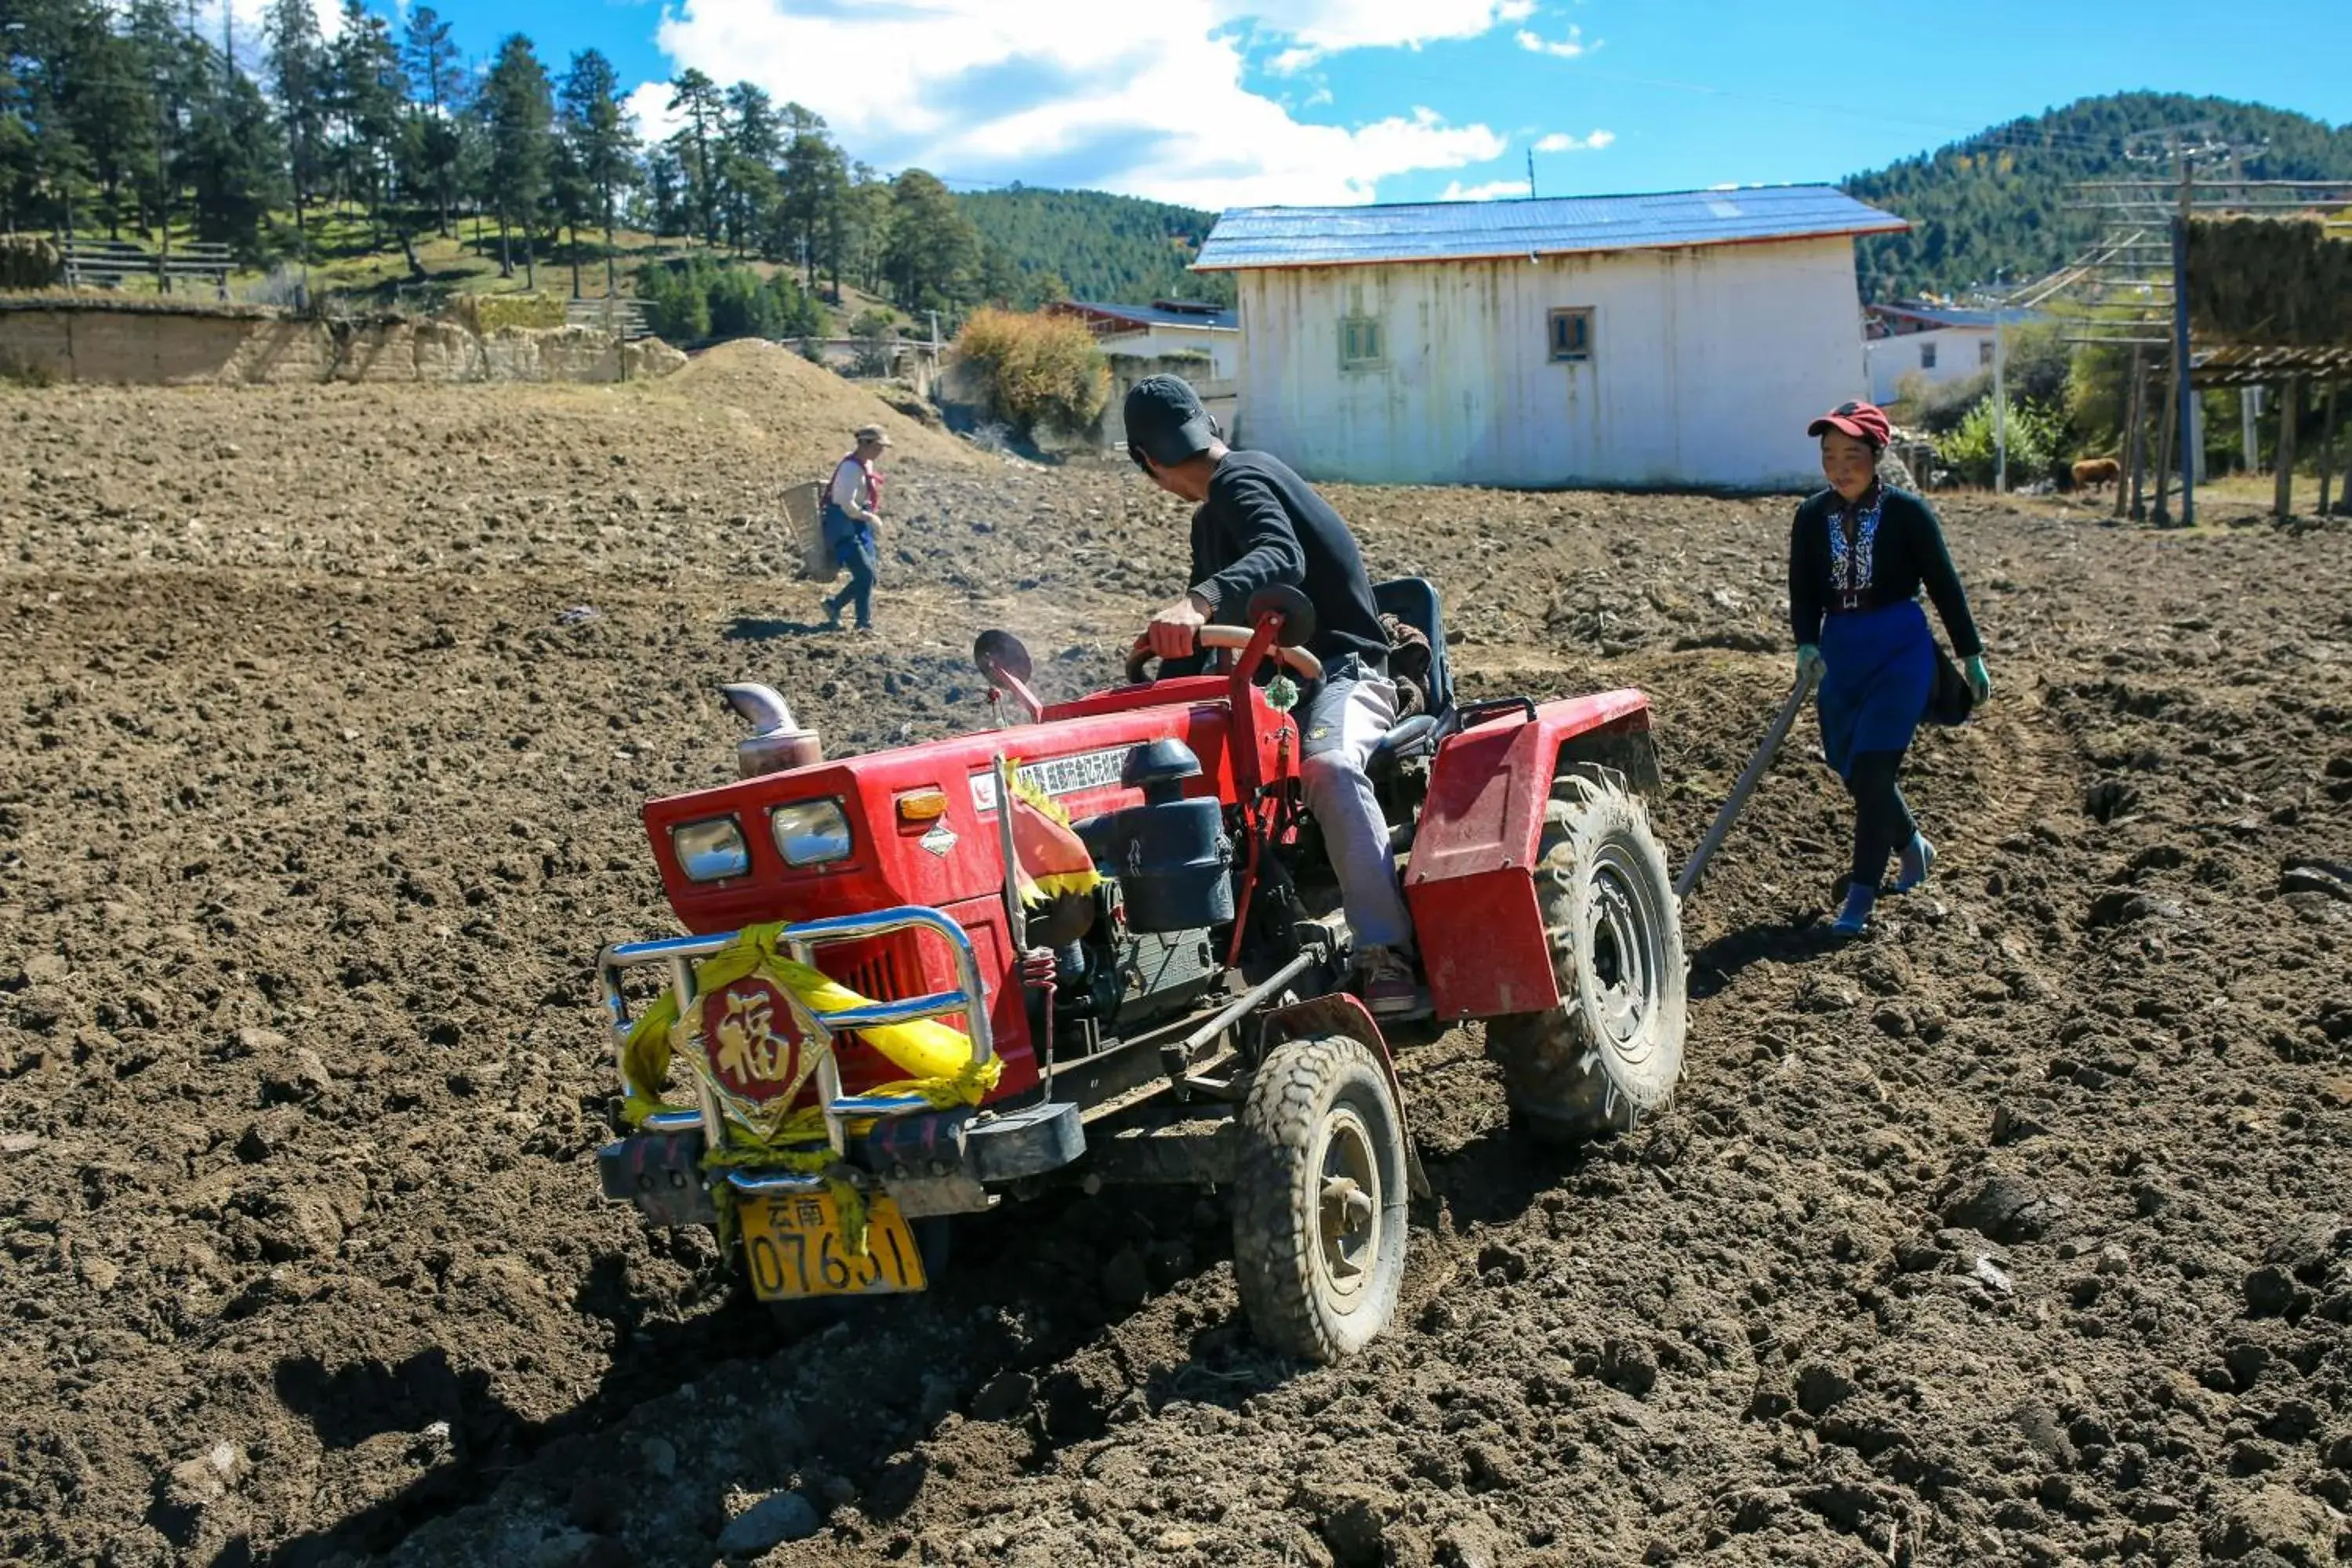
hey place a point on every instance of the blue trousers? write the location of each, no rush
(855, 551)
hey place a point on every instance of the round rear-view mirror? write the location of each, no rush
(1297, 613)
(1000, 653)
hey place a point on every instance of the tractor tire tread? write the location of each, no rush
(1554, 1069)
(1275, 1222)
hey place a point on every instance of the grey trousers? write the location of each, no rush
(1349, 713)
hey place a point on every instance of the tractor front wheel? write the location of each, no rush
(1612, 1052)
(1318, 1199)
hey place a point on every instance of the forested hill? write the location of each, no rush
(1090, 245)
(1998, 202)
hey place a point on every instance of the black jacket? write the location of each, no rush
(1907, 553)
(1263, 525)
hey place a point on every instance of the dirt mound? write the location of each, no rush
(805, 409)
(2018, 1233)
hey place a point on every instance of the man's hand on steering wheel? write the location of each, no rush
(1174, 632)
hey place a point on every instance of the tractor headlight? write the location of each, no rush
(812, 833)
(710, 851)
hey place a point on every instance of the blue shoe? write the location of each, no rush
(1859, 901)
(1918, 858)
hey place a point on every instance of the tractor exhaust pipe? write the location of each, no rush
(775, 743)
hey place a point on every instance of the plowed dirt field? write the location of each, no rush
(2019, 1233)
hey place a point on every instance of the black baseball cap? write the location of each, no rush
(1165, 421)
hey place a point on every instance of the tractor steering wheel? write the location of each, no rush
(1298, 660)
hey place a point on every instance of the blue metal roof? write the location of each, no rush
(1159, 316)
(1549, 225)
(1958, 316)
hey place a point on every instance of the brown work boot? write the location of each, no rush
(1388, 982)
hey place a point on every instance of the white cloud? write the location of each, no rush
(1334, 24)
(1561, 142)
(1567, 49)
(1493, 190)
(1051, 93)
(248, 16)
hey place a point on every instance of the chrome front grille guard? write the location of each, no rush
(799, 942)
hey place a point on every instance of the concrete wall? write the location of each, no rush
(1959, 352)
(1223, 345)
(1218, 394)
(1706, 365)
(178, 348)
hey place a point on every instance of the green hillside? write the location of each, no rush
(1997, 202)
(1090, 245)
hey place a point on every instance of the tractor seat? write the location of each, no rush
(1413, 601)
(1416, 737)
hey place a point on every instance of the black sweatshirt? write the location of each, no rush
(1908, 551)
(1263, 525)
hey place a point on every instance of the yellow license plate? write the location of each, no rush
(794, 1244)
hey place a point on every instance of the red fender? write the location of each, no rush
(1341, 1014)
(1471, 885)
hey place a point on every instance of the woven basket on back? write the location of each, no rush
(804, 509)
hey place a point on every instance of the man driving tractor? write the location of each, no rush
(1259, 525)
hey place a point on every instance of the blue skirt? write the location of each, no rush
(1881, 671)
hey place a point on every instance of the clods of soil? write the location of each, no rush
(2017, 1232)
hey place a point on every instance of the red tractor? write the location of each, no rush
(1180, 1020)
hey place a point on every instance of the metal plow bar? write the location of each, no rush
(799, 943)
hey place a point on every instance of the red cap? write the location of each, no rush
(1863, 421)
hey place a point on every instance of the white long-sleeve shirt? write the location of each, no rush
(854, 490)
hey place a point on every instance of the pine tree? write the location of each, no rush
(666, 208)
(297, 77)
(432, 61)
(746, 170)
(933, 254)
(696, 96)
(112, 113)
(815, 181)
(370, 91)
(236, 166)
(51, 167)
(171, 63)
(864, 225)
(519, 111)
(603, 148)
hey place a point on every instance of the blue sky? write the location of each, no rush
(1227, 102)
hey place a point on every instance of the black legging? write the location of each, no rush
(1882, 821)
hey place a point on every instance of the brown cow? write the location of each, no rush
(2092, 472)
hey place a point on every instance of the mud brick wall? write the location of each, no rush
(164, 348)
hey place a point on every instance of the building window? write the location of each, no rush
(1571, 334)
(1362, 344)
(1926, 356)
(1984, 352)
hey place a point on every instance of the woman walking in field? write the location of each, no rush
(1858, 554)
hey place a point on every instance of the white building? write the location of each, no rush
(1198, 341)
(1165, 329)
(1681, 339)
(1936, 343)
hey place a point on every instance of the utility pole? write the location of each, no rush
(2127, 481)
(1531, 173)
(1999, 400)
(2182, 390)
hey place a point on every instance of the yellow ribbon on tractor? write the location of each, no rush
(939, 1060)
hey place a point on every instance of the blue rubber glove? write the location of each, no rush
(1810, 663)
(1979, 683)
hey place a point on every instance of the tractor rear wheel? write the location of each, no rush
(1612, 1052)
(1318, 1199)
